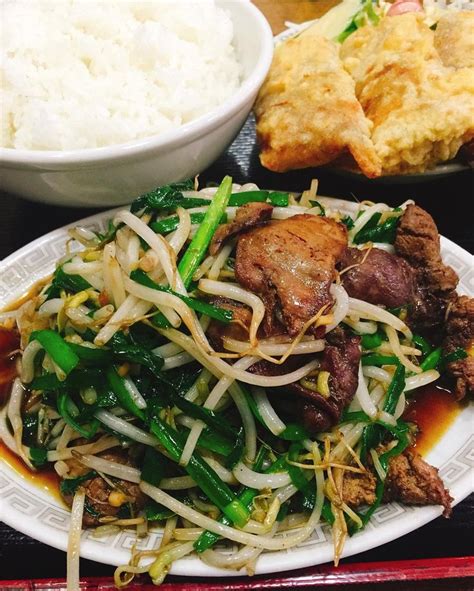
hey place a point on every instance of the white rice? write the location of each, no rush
(90, 73)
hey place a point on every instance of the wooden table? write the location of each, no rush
(297, 11)
(447, 199)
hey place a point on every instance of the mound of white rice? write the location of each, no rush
(89, 73)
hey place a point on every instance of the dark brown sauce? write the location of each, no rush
(45, 479)
(9, 343)
(433, 409)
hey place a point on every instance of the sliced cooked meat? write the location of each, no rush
(379, 277)
(237, 329)
(247, 216)
(459, 330)
(418, 242)
(341, 359)
(462, 371)
(413, 481)
(290, 264)
(410, 480)
(98, 493)
(359, 489)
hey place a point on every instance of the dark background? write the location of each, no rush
(448, 199)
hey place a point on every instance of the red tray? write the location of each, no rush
(315, 577)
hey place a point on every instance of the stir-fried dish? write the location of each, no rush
(234, 364)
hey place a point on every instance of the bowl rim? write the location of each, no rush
(168, 139)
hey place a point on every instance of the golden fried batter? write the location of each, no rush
(422, 111)
(307, 112)
(454, 39)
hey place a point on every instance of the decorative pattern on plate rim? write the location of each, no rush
(35, 513)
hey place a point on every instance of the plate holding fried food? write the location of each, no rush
(392, 94)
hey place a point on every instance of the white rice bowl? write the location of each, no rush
(85, 74)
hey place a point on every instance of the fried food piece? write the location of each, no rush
(410, 480)
(454, 39)
(307, 113)
(422, 111)
(354, 47)
(291, 264)
(459, 329)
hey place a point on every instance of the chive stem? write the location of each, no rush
(199, 244)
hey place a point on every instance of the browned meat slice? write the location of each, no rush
(237, 329)
(290, 264)
(418, 242)
(98, 492)
(413, 481)
(247, 216)
(359, 489)
(382, 278)
(459, 330)
(410, 480)
(341, 359)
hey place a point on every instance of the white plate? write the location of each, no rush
(34, 512)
